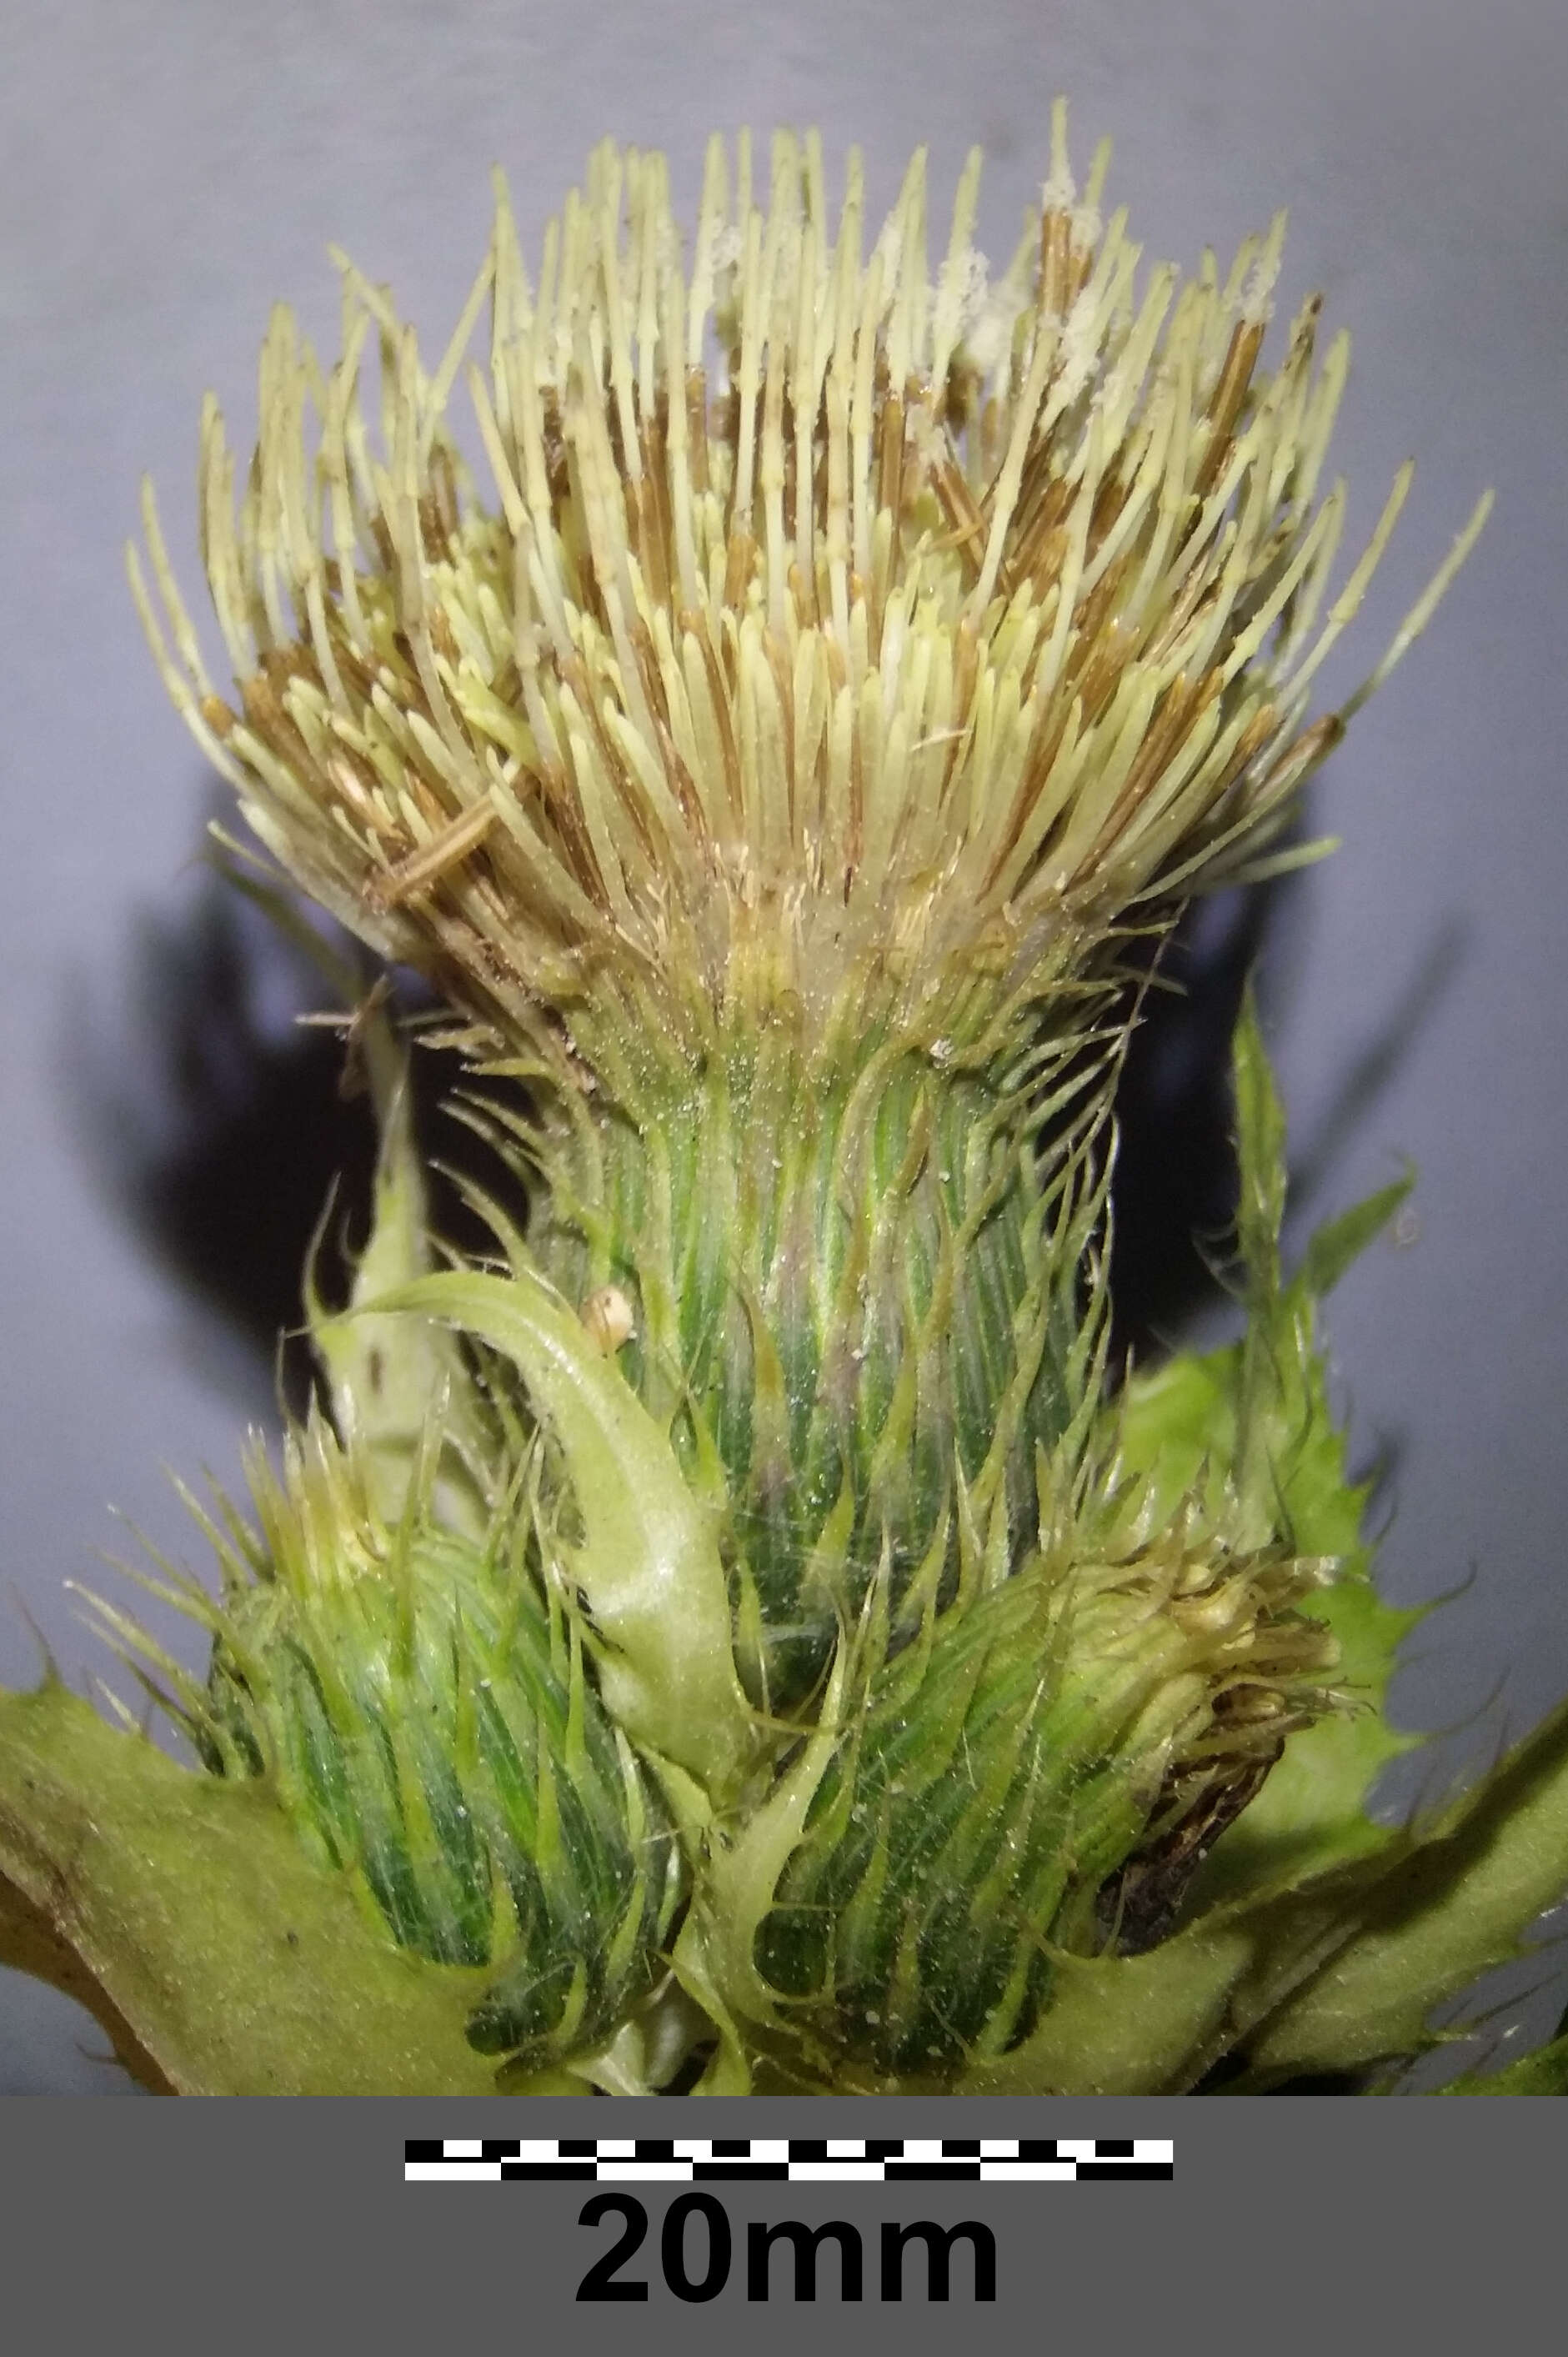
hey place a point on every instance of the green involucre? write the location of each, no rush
(854, 1263)
(421, 1704)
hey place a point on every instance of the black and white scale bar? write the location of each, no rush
(788, 2160)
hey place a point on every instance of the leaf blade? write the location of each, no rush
(184, 1906)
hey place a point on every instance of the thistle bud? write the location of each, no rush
(1037, 1768)
(421, 1705)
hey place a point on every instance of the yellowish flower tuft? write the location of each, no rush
(833, 625)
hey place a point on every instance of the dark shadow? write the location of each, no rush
(1172, 1194)
(1375, 1064)
(222, 1128)
(1173, 1191)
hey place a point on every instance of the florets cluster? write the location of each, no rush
(829, 620)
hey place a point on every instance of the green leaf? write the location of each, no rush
(389, 1377)
(1338, 1974)
(1261, 1155)
(1144, 2025)
(1245, 1436)
(182, 1911)
(1460, 1903)
(649, 1566)
(1338, 1243)
(1157, 2023)
(1257, 1415)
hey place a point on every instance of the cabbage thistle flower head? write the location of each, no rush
(847, 656)
(826, 622)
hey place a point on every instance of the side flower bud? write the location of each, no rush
(1040, 1767)
(420, 1703)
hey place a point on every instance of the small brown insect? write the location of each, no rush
(424, 868)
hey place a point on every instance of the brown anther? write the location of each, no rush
(433, 531)
(655, 537)
(1225, 404)
(1056, 260)
(890, 455)
(1251, 743)
(697, 426)
(777, 656)
(1300, 758)
(740, 565)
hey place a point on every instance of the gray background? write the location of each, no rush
(1428, 2221)
(170, 166)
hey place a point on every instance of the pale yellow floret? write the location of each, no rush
(936, 626)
